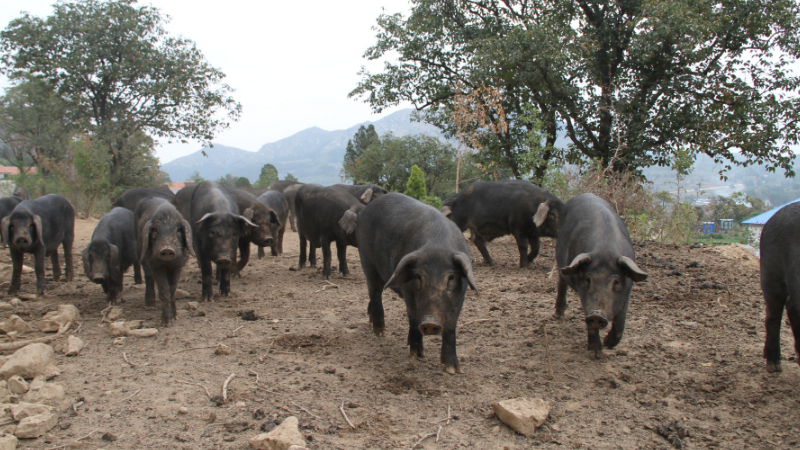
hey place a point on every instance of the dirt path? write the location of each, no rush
(691, 356)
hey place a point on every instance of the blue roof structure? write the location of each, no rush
(762, 218)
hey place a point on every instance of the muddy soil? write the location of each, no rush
(687, 374)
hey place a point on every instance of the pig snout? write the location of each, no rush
(22, 241)
(268, 242)
(167, 254)
(430, 326)
(596, 320)
(98, 278)
(223, 262)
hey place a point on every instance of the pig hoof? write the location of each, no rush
(378, 331)
(596, 355)
(453, 370)
(772, 368)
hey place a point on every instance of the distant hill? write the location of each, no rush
(313, 155)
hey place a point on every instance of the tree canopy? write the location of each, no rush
(269, 175)
(629, 82)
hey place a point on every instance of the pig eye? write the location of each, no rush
(451, 277)
(587, 282)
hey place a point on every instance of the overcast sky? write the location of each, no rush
(291, 64)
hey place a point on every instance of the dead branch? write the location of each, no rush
(449, 416)
(570, 376)
(194, 348)
(437, 433)
(125, 357)
(234, 331)
(195, 384)
(266, 390)
(250, 372)
(417, 444)
(130, 396)
(329, 285)
(225, 387)
(307, 411)
(347, 419)
(12, 346)
(547, 351)
(105, 314)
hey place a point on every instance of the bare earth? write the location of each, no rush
(690, 359)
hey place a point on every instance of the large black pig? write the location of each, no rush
(22, 193)
(289, 190)
(266, 221)
(365, 193)
(413, 249)
(165, 244)
(490, 209)
(130, 198)
(780, 250)
(275, 201)
(112, 251)
(7, 204)
(216, 227)
(325, 215)
(40, 226)
(595, 257)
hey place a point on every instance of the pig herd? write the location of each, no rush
(405, 245)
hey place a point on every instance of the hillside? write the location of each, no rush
(313, 155)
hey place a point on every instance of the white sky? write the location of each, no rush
(291, 64)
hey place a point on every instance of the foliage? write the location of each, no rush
(243, 182)
(290, 177)
(415, 186)
(228, 180)
(269, 175)
(195, 177)
(120, 76)
(630, 82)
(739, 206)
(432, 200)
(364, 137)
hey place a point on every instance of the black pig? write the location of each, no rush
(595, 257)
(490, 209)
(325, 215)
(22, 193)
(289, 191)
(276, 202)
(165, 243)
(779, 282)
(112, 251)
(40, 226)
(266, 221)
(413, 249)
(365, 193)
(130, 198)
(216, 227)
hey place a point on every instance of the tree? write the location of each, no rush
(415, 187)
(228, 180)
(290, 177)
(242, 182)
(630, 81)
(269, 175)
(364, 137)
(121, 73)
(195, 177)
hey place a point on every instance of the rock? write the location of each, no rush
(297, 447)
(12, 335)
(133, 324)
(27, 296)
(15, 323)
(15, 302)
(222, 349)
(27, 269)
(23, 410)
(183, 410)
(46, 393)
(119, 340)
(5, 412)
(29, 362)
(17, 385)
(35, 426)
(118, 328)
(180, 293)
(523, 414)
(5, 306)
(3, 360)
(143, 332)
(8, 442)
(115, 313)
(191, 306)
(54, 320)
(282, 437)
(74, 345)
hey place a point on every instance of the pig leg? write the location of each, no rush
(244, 251)
(793, 312)
(326, 257)
(303, 257)
(561, 297)
(480, 242)
(595, 349)
(615, 333)
(149, 287)
(39, 268)
(69, 267)
(56, 266)
(260, 252)
(137, 272)
(163, 284)
(17, 259)
(292, 218)
(173, 275)
(414, 333)
(536, 244)
(208, 280)
(375, 307)
(449, 357)
(341, 253)
(312, 255)
(522, 245)
(775, 298)
(225, 281)
(279, 245)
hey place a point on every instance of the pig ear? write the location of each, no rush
(465, 264)
(113, 263)
(541, 214)
(447, 211)
(366, 197)
(575, 265)
(144, 239)
(248, 213)
(273, 218)
(206, 216)
(86, 267)
(38, 222)
(188, 243)
(399, 272)
(631, 269)
(245, 220)
(348, 221)
(5, 227)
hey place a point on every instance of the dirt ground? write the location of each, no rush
(687, 374)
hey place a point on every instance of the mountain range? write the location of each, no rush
(313, 155)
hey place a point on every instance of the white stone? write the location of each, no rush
(5, 306)
(17, 385)
(27, 296)
(8, 442)
(118, 328)
(46, 393)
(115, 313)
(191, 306)
(27, 269)
(282, 437)
(143, 332)
(24, 409)
(6, 414)
(29, 362)
(183, 410)
(180, 293)
(133, 324)
(74, 345)
(297, 447)
(222, 349)
(15, 323)
(523, 414)
(15, 302)
(35, 426)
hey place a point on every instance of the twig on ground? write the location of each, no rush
(250, 372)
(570, 376)
(79, 439)
(125, 357)
(416, 444)
(478, 320)
(437, 433)
(105, 314)
(225, 387)
(347, 419)
(130, 396)
(194, 348)
(195, 384)
(329, 285)
(266, 390)
(547, 351)
(449, 416)
(305, 410)
(80, 325)
(234, 331)
(10, 346)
